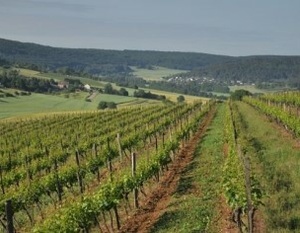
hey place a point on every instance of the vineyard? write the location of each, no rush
(213, 167)
(77, 166)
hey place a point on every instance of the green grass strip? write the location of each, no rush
(280, 165)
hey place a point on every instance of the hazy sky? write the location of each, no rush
(229, 27)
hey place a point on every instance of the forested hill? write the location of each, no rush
(225, 70)
(252, 69)
(101, 61)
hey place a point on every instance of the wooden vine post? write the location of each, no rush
(109, 165)
(58, 185)
(156, 142)
(95, 152)
(119, 146)
(1, 180)
(250, 207)
(9, 216)
(133, 172)
(47, 152)
(117, 216)
(28, 172)
(79, 177)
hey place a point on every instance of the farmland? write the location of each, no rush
(149, 75)
(91, 149)
(74, 101)
(190, 167)
(45, 104)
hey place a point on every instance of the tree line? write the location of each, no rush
(12, 79)
(100, 61)
(260, 70)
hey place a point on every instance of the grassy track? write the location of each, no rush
(279, 156)
(194, 205)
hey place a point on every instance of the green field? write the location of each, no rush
(40, 103)
(155, 74)
(43, 104)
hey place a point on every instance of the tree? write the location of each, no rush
(102, 105)
(111, 105)
(123, 92)
(139, 93)
(239, 94)
(108, 89)
(180, 99)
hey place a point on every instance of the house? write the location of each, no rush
(63, 85)
(87, 87)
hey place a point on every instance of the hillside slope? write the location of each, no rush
(252, 69)
(99, 60)
(205, 69)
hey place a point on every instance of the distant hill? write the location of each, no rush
(102, 61)
(252, 69)
(204, 68)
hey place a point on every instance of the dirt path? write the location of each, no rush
(158, 200)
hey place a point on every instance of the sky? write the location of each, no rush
(227, 27)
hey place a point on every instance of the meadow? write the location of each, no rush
(155, 74)
(35, 103)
